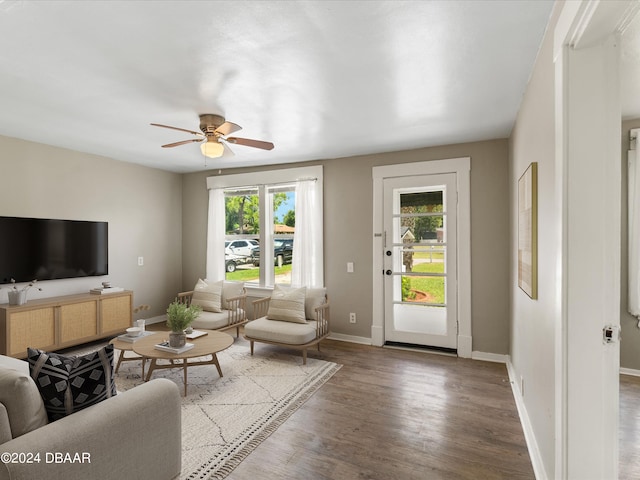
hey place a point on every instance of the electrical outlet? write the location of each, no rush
(352, 317)
(140, 261)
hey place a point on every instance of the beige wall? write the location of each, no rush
(163, 217)
(533, 322)
(142, 206)
(348, 230)
(630, 343)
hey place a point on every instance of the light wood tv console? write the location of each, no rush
(60, 322)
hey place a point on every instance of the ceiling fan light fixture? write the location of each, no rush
(215, 128)
(212, 149)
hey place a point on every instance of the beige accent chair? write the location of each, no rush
(135, 434)
(231, 314)
(290, 325)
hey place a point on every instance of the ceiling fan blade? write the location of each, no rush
(227, 128)
(179, 129)
(250, 143)
(227, 151)
(183, 142)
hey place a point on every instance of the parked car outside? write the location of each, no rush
(239, 252)
(242, 247)
(282, 252)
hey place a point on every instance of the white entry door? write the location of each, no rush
(419, 260)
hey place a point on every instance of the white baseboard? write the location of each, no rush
(490, 357)
(349, 338)
(529, 435)
(630, 371)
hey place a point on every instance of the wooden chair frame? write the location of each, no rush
(260, 309)
(237, 312)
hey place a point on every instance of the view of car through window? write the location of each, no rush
(240, 252)
(246, 234)
(242, 259)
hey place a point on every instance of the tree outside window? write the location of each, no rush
(242, 221)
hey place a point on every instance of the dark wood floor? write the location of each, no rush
(629, 464)
(394, 414)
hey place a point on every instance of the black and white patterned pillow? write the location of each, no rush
(69, 384)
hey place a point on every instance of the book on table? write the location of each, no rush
(104, 291)
(196, 334)
(127, 338)
(165, 347)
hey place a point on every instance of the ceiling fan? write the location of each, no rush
(214, 136)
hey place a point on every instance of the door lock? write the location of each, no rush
(611, 334)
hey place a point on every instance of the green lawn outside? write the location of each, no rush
(253, 274)
(437, 267)
(422, 254)
(432, 285)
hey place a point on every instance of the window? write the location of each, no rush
(266, 233)
(242, 220)
(242, 229)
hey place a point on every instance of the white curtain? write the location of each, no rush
(306, 265)
(634, 232)
(215, 235)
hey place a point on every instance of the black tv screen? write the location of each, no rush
(46, 249)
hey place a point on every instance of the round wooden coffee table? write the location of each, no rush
(124, 347)
(209, 344)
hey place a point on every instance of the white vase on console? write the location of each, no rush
(17, 297)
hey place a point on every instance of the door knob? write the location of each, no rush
(388, 272)
(388, 253)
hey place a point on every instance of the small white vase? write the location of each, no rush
(17, 297)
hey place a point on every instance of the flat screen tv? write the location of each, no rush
(47, 249)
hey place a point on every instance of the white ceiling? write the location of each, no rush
(320, 79)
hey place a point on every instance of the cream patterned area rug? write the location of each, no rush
(224, 419)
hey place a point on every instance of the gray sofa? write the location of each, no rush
(134, 435)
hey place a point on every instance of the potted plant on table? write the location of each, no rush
(179, 317)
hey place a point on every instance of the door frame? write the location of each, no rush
(588, 134)
(462, 168)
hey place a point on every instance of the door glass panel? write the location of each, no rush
(423, 258)
(421, 200)
(419, 259)
(423, 289)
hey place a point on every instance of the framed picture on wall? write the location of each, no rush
(528, 231)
